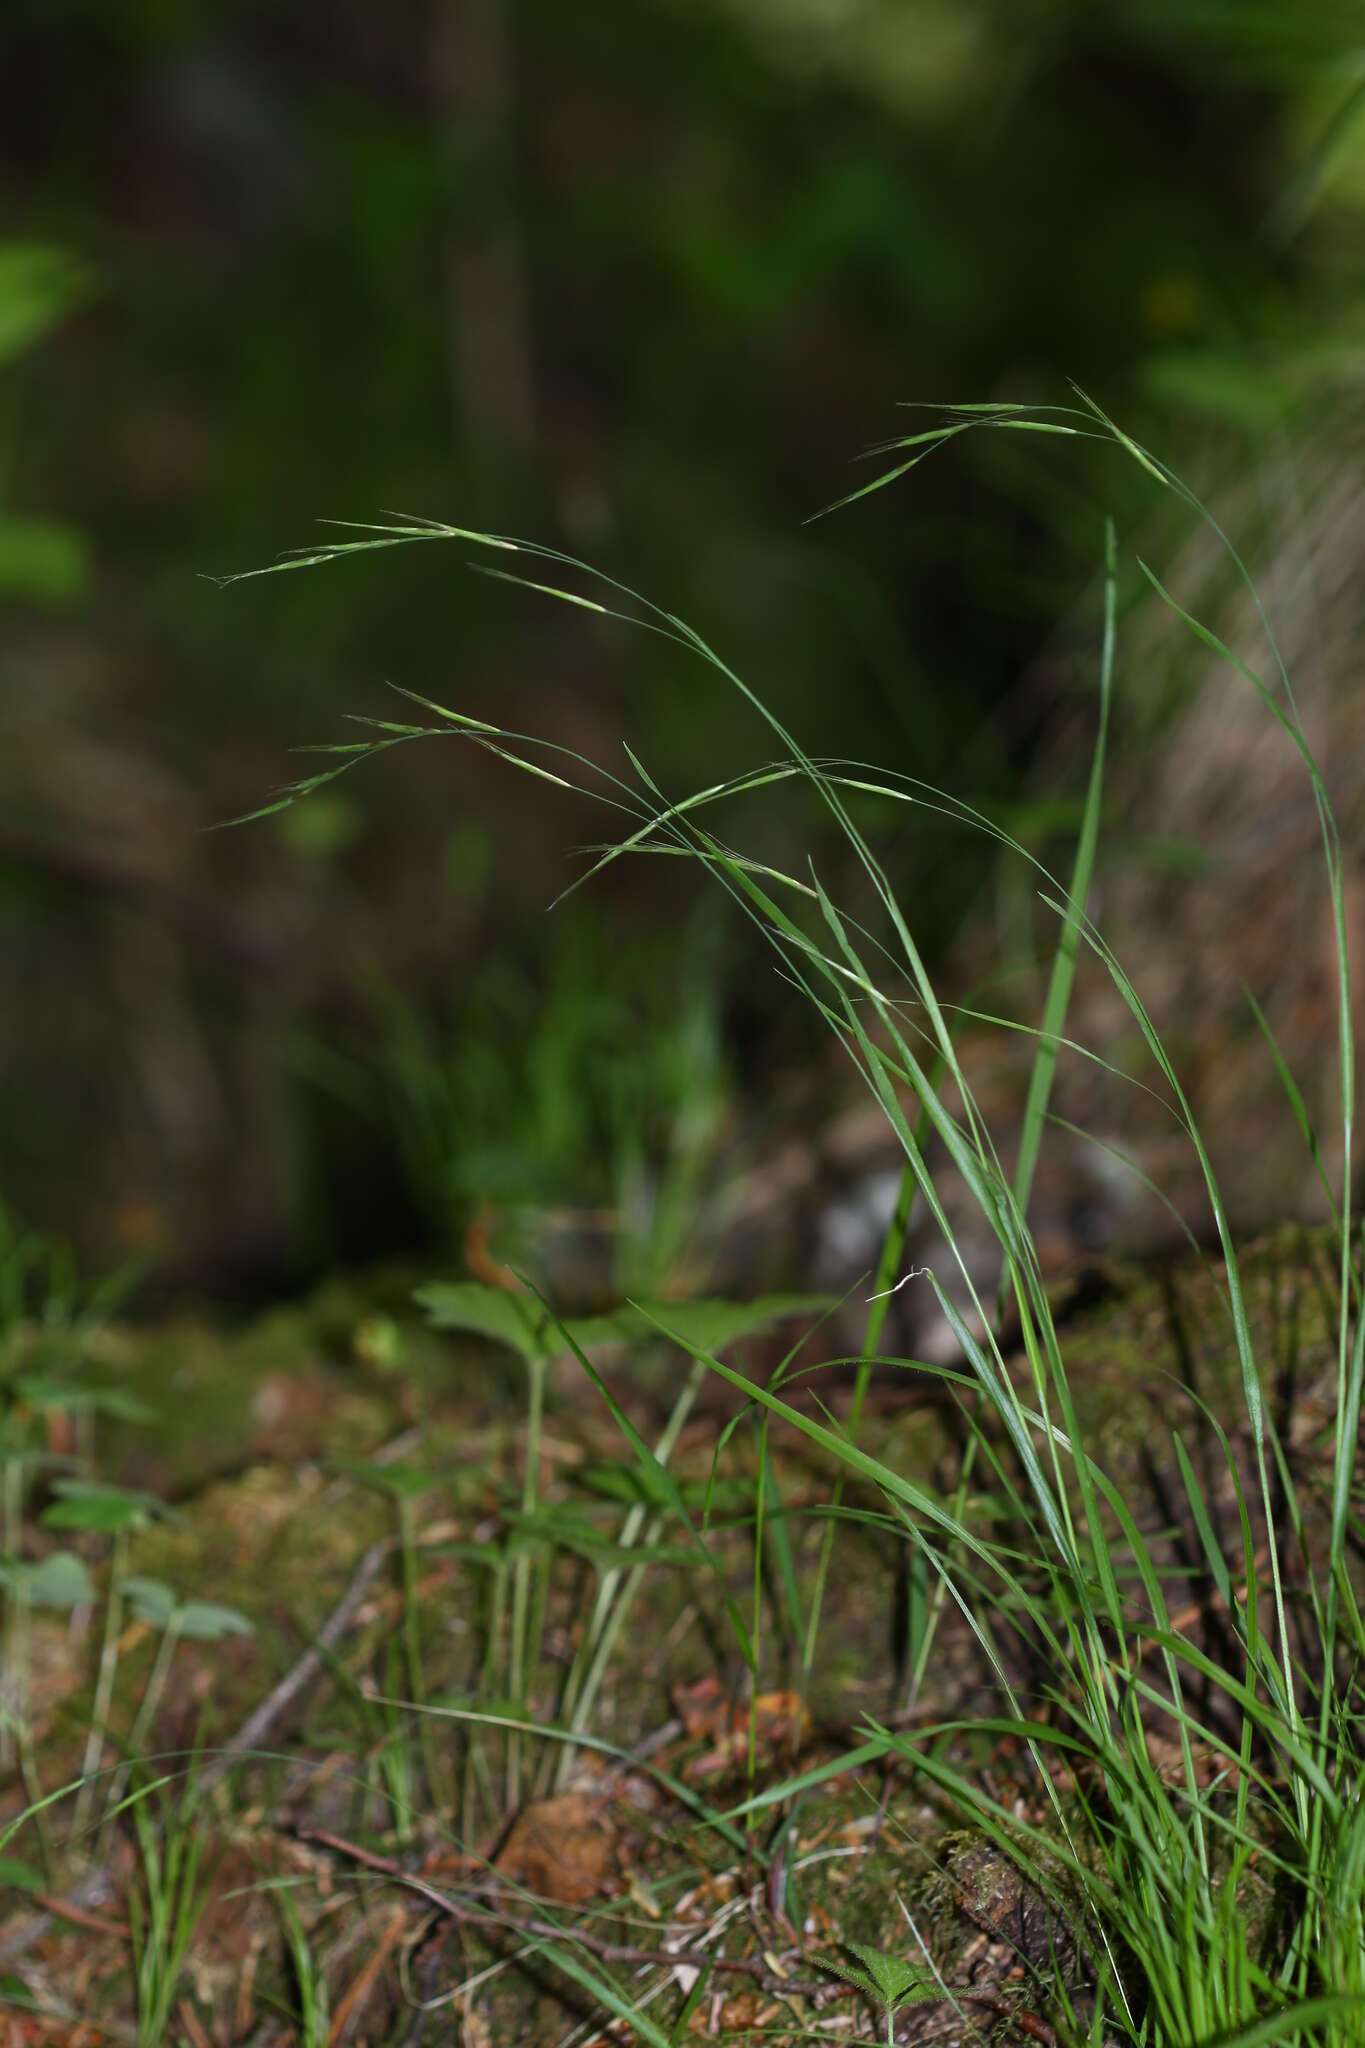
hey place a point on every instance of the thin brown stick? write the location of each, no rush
(762, 1974)
(193, 2025)
(72, 1910)
(364, 1983)
(17, 1939)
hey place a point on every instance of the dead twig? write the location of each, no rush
(364, 1984)
(95, 1887)
(760, 1973)
(79, 1916)
(532, 1929)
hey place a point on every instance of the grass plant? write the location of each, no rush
(1190, 1800)
(165, 1907)
(314, 2024)
(1269, 1761)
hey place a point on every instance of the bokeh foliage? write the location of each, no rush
(635, 278)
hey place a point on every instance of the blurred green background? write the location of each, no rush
(637, 279)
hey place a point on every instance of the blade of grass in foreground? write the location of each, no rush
(1064, 963)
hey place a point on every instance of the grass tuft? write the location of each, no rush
(1165, 1776)
(1186, 1822)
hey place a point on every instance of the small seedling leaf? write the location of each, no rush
(98, 1509)
(204, 1621)
(47, 1393)
(485, 1312)
(889, 1979)
(514, 1320)
(61, 1581)
(401, 1482)
(149, 1600)
(41, 1391)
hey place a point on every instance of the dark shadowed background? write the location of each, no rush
(637, 279)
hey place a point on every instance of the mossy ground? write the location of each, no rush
(248, 1429)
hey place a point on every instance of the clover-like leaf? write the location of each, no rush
(204, 1621)
(510, 1319)
(61, 1580)
(400, 1482)
(521, 1322)
(153, 1602)
(712, 1325)
(149, 1600)
(42, 1391)
(99, 1508)
(47, 1392)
